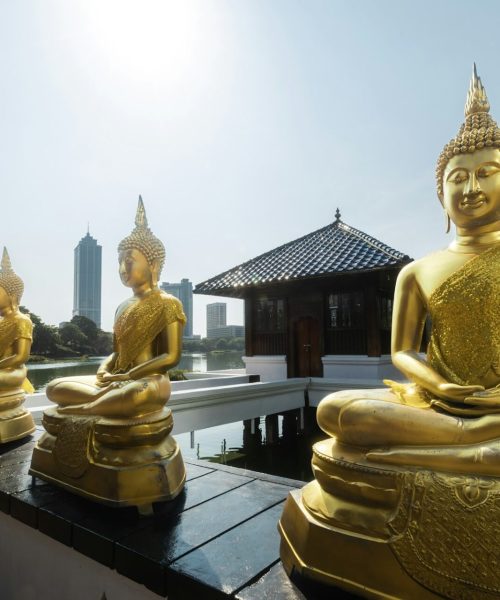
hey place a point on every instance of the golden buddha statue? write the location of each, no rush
(406, 493)
(108, 439)
(16, 332)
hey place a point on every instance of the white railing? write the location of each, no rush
(225, 400)
(203, 407)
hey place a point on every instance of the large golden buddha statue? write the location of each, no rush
(406, 497)
(15, 344)
(109, 437)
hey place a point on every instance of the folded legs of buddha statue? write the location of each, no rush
(406, 497)
(15, 344)
(108, 437)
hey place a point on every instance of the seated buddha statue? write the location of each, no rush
(118, 418)
(454, 395)
(413, 470)
(16, 332)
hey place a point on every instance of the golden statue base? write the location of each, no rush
(118, 462)
(384, 532)
(15, 421)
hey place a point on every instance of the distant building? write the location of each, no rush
(183, 291)
(216, 316)
(228, 331)
(87, 288)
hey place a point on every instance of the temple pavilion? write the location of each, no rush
(317, 305)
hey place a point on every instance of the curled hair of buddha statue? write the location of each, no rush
(9, 281)
(142, 239)
(478, 131)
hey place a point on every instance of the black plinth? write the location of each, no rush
(218, 539)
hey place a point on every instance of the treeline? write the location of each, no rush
(79, 337)
(209, 344)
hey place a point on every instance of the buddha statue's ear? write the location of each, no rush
(447, 220)
(14, 305)
(155, 272)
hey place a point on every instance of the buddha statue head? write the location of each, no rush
(11, 285)
(465, 168)
(141, 254)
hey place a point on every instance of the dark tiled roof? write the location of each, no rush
(336, 248)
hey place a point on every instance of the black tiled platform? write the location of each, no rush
(217, 540)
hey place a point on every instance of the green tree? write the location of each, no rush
(210, 344)
(190, 345)
(236, 343)
(87, 327)
(221, 344)
(46, 339)
(73, 336)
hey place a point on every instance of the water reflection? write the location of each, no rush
(213, 361)
(274, 444)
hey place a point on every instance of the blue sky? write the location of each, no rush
(243, 124)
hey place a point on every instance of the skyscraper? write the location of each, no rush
(216, 316)
(183, 291)
(87, 291)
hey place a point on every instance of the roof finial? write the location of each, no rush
(88, 227)
(477, 101)
(337, 216)
(140, 217)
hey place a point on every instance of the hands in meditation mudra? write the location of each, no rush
(410, 471)
(108, 438)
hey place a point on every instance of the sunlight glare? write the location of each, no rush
(148, 39)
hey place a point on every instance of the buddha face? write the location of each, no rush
(135, 271)
(471, 185)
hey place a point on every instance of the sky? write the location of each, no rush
(243, 124)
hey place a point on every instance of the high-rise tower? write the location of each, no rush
(183, 291)
(87, 291)
(216, 316)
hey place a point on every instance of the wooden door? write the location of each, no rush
(307, 344)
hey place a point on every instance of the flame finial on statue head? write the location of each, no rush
(478, 131)
(6, 264)
(477, 100)
(140, 218)
(142, 239)
(9, 281)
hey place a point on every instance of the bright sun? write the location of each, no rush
(146, 38)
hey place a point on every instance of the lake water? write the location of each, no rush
(41, 374)
(213, 361)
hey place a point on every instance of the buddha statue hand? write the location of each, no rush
(485, 398)
(116, 377)
(457, 393)
(481, 402)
